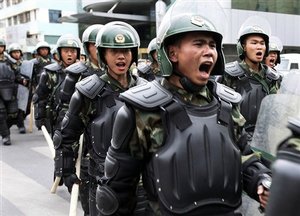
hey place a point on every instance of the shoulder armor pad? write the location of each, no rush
(90, 86)
(144, 69)
(228, 94)
(149, 95)
(234, 69)
(10, 59)
(34, 61)
(53, 67)
(76, 68)
(272, 74)
(140, 80)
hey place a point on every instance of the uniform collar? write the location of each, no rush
(202, 95)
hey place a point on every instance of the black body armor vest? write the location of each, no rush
(251, 89)
(197, 171)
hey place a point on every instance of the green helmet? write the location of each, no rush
(89, 36)
(42, 44)
(14, 47)
(68, 41)
(117, 34)
(151, 48)
(173, 24)
(247, 31)
(3, 43)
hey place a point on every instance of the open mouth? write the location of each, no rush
(205, 67)
(121, 64)
(259, 54)
(272, 60)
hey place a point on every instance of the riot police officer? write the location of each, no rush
(46, 96)
(150, 72)
(180, 134)
(9, 80)
(54, 54)
(250, 77)
(275, 48)
(42, 59)
(15, 51)
(75, 73)
(94, 104)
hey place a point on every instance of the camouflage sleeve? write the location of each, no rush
(228, 80)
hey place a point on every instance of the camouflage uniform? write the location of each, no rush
(253, 87)
(92, 109)
(184, 135)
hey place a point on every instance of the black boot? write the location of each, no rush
(22, 130)
(6, 140)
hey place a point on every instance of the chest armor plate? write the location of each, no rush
(107, 106)
(58, 86)
(199, 166)
(251, 100)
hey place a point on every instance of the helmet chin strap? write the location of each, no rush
(187, 84)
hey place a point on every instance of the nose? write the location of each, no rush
(208, 50)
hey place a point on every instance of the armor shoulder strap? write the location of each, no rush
(90, 86)
(149, 95)
(53, 67)
(228, 94)
(76, 68)
(234, 69)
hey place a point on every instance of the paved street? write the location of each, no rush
(26, 173)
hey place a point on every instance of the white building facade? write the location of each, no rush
(29, 21)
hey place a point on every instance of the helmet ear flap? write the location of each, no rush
(240, 50)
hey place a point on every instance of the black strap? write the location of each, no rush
(245, 82)
(178, 115)
(225, 111)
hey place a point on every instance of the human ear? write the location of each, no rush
(172, 53)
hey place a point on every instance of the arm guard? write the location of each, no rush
(121, 170)
(254, 172)
(72, 124)
(40, 97)
(72, 128)
(69, 87)
(74, 72)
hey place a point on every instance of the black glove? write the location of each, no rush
(39, 123)
(70, 180)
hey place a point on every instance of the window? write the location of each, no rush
(294, 66)
(277, 6)
(15, 20)
(14, 2)
(24, 17)
(54, 15)
(51, 39)
(9, 22)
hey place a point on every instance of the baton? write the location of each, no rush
(51, 147)
(75, 187)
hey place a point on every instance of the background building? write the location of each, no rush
(28, 21)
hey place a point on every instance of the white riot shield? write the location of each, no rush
(272, 120)
(274, 113)
(290, 83)
(23, 92)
